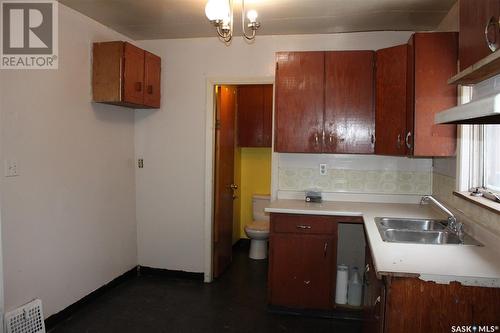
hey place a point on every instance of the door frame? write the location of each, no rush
(211, 82)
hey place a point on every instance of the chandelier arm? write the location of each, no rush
(243, 29)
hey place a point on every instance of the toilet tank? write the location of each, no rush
(259, 202)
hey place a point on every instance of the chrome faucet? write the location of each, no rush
(453, 224)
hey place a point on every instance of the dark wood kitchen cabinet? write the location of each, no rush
(324, 102)
(391, 99)
(299, 102)
(255, 105)
(412, 87)
(302, 260)
(474, 17)
(125, 75)
(349, 120)
(432, 60)
(395, 304)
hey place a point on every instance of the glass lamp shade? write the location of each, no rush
(217, 10)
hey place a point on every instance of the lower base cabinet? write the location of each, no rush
(301, 261)
(408, 304)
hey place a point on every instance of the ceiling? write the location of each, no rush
(157, 19)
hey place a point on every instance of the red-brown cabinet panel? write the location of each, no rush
(299, 102)
(391, 99)
(268, 115)
(302, 260)
(474, 16)
(254, 115)
(152, 80)
(432, 57)
(133, 74)
(349, 102)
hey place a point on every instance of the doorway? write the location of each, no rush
(242, 163)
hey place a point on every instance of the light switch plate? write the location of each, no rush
(11, 168)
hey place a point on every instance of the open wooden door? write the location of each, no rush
(224, 177)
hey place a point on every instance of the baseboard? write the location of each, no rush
(150, 271)
(62, 315)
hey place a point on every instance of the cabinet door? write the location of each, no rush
(301, 270)
(349, 110)
(299, 102)
(433, 59)
(250, 116)
(133, 75)
(152, 79)
(285, 271)
(390, 116)
(374, 298)
(474, 16)
(318, 260)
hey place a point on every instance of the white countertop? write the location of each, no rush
(469, 265)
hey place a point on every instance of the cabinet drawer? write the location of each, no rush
(304, 224)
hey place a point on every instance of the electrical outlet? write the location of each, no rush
(322, 169)
(140, 163)
(10, 168)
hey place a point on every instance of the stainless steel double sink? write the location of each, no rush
(419, 231)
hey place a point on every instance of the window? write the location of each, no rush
(479, 162)
(491, 157)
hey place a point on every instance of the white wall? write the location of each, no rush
(69, 218)
(170, 188)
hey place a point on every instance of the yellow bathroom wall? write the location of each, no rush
(255, 177)
(237, 201)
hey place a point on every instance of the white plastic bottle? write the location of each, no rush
(355, 289)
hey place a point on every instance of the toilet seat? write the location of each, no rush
(258, 226)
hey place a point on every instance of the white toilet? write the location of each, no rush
(258, 229)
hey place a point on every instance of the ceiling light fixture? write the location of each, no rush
(220, 14)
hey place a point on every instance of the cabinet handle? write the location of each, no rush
(372, 139)
(325, 249)
(407, 140)
(307, 282)
(303, 226)
(398, 142)
(138, 86)
(316, 139)
(150, 89)
(492, 25)
(367, 268)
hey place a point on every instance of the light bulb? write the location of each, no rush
(252, 15)
(217, 9)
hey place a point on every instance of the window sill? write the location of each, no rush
(482, 202)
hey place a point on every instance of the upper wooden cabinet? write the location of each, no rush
(474, 17)
(324, 102)
(411, 88)
(125, 75)
(349, 120)
(255, 105)
(432, 60)
(299, 100)
(391, 99)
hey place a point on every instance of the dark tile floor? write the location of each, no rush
(236, 302)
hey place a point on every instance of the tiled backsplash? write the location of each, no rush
(355, 174)
(443, 187)
(355, 181)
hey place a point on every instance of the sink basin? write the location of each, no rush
(412, 224)
(419, 231)
(420, 237)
